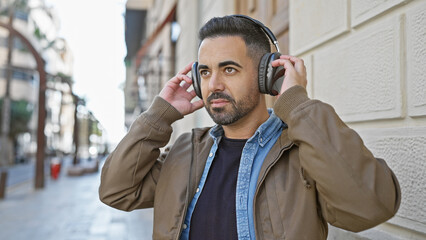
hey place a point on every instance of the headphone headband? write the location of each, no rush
(264, 28)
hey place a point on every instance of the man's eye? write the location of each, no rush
(229, 70)
(204, 72)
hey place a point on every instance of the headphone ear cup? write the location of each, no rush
(271, 74)
(262, 72)
(267, 73)
(196, 80)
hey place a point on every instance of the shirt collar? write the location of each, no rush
(263, 134)
(216, 132)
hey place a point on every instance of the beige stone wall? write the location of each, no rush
(367, 59)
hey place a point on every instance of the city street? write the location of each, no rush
(68, 209)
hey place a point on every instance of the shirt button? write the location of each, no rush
(261, 139)
(211, 155)
(198, 189)
(185, 226)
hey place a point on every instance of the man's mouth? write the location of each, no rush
(218, 103)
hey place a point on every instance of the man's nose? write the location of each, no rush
(216, 83)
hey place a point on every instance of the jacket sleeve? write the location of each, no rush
(355, 190)
(130, 173)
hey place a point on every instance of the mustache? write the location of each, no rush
(220, 95)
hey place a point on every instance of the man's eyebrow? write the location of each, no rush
(226, 63)
(203, 67)
(221, 64)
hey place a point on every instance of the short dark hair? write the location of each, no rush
(255, 39)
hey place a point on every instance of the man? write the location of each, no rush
(281, 173)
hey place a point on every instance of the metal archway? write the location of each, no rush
(41, 141)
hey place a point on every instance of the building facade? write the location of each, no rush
(365, 58)
(39, 24)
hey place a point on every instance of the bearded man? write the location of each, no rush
(280, 173)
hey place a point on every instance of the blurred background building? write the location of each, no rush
(366, 58)
(70, 128)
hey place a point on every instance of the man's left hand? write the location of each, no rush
(295, 71)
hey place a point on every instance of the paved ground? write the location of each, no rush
(68, 209)
(19, 173)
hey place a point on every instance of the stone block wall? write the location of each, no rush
(368, 59)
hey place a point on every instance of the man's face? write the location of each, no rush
(228, 79)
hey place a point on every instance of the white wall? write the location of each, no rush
(367, 59)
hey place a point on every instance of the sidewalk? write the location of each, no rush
(68, 209)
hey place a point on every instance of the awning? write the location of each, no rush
(135, 30)
(142, 51)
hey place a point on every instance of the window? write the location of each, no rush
(18, 75)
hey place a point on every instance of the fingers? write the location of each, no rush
(298, 63)
(282, 62)
(193, 94)
(186, 85)
(292, 58)
(291, 63)
(295, 71)
(177, 92)
(189, 95)
(181, 75)
(186, 70)
(197, 105)
(288, 65)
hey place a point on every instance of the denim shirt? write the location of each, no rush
(254, 152)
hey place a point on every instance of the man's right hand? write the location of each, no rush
(177, 94)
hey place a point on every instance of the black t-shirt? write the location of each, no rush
(214, 214)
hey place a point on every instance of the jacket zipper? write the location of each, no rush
(285, 148)
(185, 208)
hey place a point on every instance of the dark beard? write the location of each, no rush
(238, 111)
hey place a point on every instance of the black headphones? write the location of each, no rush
(270, 78)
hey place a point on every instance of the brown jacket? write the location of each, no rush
(318, 171)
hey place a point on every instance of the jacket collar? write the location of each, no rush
(264, 132)
(283, 144)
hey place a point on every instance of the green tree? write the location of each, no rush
(21, 112)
